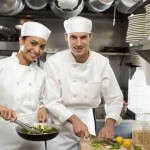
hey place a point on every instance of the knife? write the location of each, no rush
(91, 136)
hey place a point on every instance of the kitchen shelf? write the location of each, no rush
(50, 52)
(114, 54)
(103, 53)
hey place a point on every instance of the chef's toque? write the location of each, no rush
(78, 24)
(35, 29)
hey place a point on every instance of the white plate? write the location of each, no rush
(136, 16)
(137, 19)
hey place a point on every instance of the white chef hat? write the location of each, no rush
(78, 24)
(35, 29)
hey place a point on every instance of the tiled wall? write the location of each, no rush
(139, 95)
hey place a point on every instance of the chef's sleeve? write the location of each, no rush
(53, 92)
(41, 99)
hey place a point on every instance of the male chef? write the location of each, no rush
(76, 79)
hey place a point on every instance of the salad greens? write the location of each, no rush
(47, 129)
(103, 143)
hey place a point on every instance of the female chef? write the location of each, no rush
(78, 77)
(21, 87)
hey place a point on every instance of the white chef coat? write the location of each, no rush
(21, 89)
(75, 88)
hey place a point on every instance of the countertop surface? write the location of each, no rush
(85, 145)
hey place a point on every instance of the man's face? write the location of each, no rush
(78, 42)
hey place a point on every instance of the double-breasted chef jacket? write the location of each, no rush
(75, 88)
(21, 89)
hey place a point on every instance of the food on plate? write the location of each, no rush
(101, 144)
(119, 143)
(46, 129)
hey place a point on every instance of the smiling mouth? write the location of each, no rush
(33, 55)
(78, 49)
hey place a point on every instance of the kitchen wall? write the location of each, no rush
(104, 35)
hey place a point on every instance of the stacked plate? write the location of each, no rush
(136, 28)
(147, 21)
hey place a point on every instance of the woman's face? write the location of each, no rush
(31, 48)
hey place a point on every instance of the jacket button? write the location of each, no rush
(74, 81)
(86, 81)
(74, 95)
(30, 84)
(74, 65)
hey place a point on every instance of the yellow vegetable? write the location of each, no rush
(127, 143)
(119, 139)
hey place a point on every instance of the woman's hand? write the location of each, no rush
(7, 114)
(79, 128)
(42, 114)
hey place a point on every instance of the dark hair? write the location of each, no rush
(24, 37)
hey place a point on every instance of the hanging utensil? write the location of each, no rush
(36, 4)
(5, 33)
(68, 11)
(11, 7)
(99, 5)
(114, 17)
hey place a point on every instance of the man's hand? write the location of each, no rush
(42, 114)
(79, 128)
(7, 114)
(108, 130)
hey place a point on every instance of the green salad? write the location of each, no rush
(47, 129)
(104, 143)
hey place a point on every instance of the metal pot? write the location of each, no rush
(8, 5)
(11, 7)
(67, 12)
(5, 33)
(38, 137)
(124, 6)
(36, 4)
(99, 5)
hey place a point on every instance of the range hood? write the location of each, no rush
(144, 49)
(145, 54)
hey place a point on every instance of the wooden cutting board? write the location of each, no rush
(85, 145)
